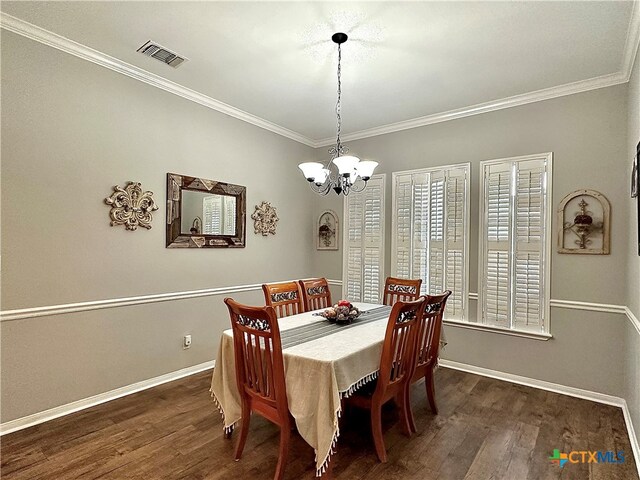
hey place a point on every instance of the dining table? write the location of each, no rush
(323, 361)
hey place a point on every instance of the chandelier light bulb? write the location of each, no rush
(312, 170)
(346, 164)
(365, 169)
(321, 176)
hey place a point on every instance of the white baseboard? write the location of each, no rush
(635, 446)
(556, 388)
(62, 410)
(535, 383)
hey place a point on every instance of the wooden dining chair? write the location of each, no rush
(427, 347)
(260, 373)
(285, 298)
(315, 294)
(400, 289)
(397, 363)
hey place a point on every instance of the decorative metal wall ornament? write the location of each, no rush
(327, 231)
(583, 220)
(131, 207)
(351, 174)
(265, 219)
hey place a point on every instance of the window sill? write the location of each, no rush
(500, 330)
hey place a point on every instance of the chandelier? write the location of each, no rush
(343, 173)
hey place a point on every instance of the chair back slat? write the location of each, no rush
(258, 354)
(397, 361)
(285, 298)
(400, 290)
(430, 328)
(315, 294)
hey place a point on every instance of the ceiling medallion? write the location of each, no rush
(352, 174)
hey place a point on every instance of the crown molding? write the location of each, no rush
(26, 29)
(486, 107)
(633, 41)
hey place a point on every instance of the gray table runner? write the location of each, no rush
(322, 328)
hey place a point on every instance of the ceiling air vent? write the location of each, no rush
(153, 50)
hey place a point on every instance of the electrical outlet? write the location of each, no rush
(186, 342)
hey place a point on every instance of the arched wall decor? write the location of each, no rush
(584, 223)
(327, 231)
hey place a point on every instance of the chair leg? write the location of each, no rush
(285, 434)
(401, 400)
(244, 430)
(376, 431)
(431, 394)
(409, 411)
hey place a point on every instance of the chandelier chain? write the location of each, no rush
(339, 102)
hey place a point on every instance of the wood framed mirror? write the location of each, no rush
(204, 213)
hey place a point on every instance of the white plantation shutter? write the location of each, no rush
(498, 205)
(529, 245)
(353, 247)
(437, 213)
(456, 238)
(420, 246)
(436, 282)
(402, 214)
(229, 215)
(212, 221)
(364, 243)
(514, 242)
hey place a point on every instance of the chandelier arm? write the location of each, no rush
(323, 189)
(363, 183)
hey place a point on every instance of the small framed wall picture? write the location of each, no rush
(327, 231)
(635, 174)
(635, 188)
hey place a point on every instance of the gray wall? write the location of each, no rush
(632, 365)
(70, 131)
(587, 134)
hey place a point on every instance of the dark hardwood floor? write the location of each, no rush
(486, 429)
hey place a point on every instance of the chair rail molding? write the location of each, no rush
(49, 310)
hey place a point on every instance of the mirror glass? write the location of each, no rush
(203, 213)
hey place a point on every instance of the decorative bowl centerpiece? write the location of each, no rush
(342, 312)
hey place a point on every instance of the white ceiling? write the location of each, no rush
(275, 60)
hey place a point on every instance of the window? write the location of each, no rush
(363, 261)
(429, 237)
(515, 236)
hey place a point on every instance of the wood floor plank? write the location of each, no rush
(485, 429)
